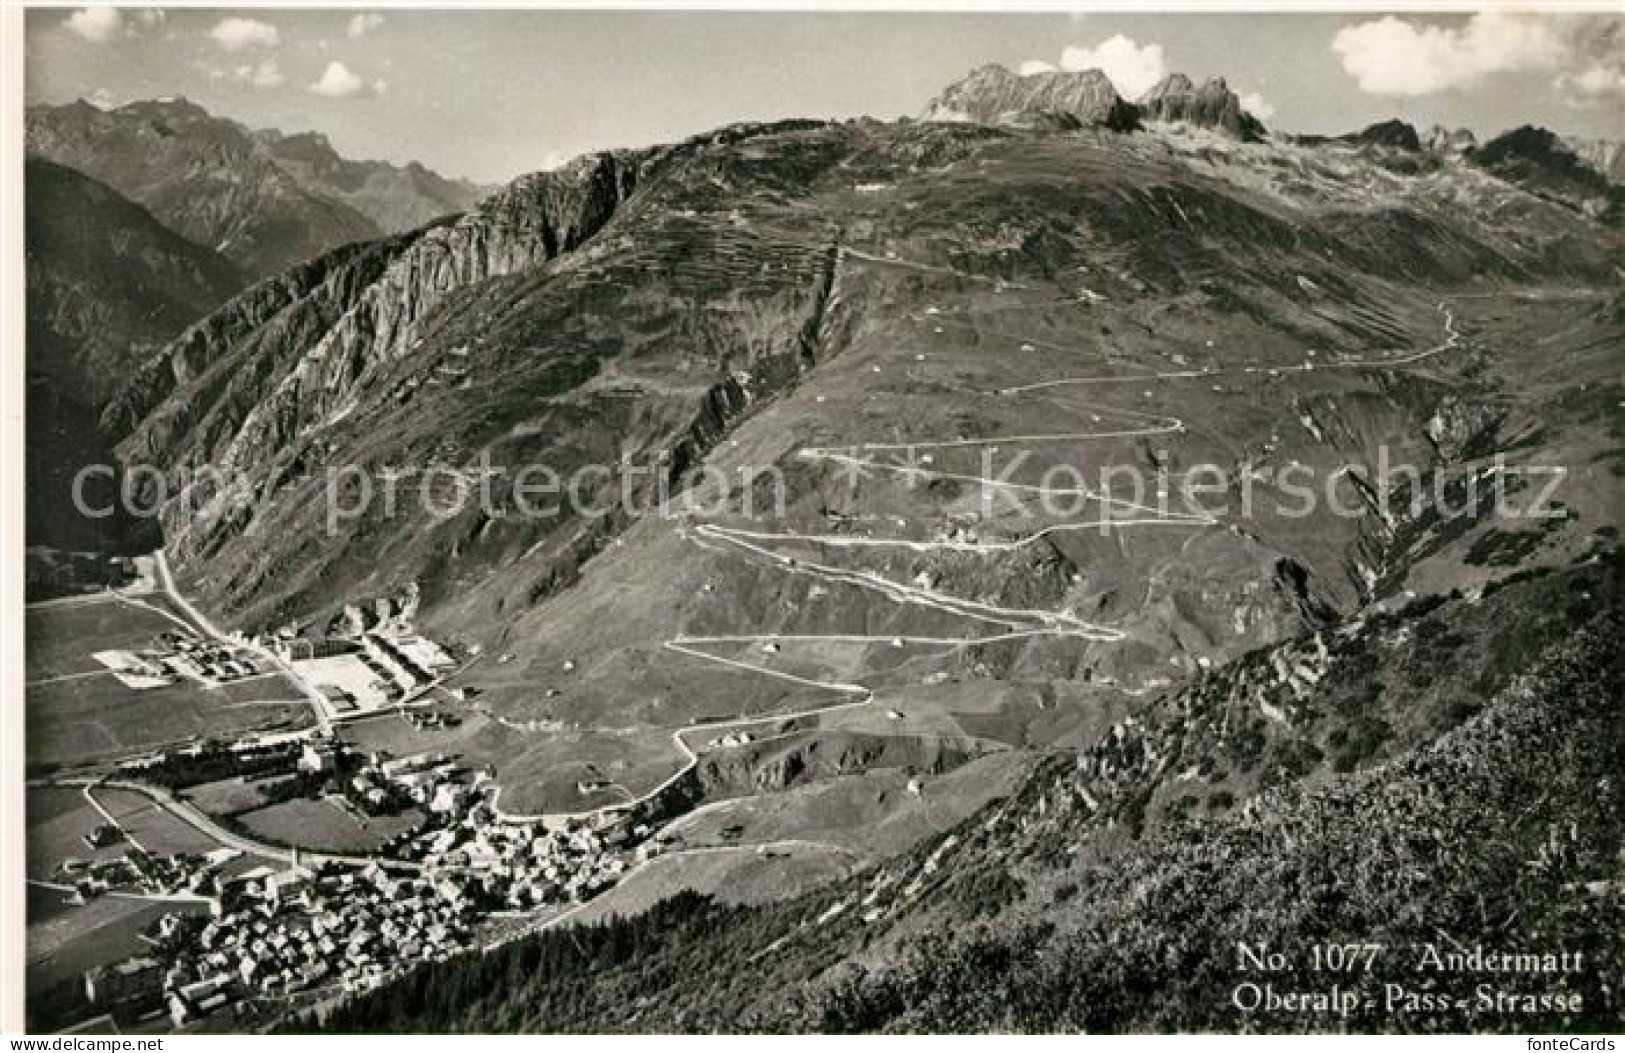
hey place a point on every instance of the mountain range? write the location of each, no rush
(263, 200)
(994, 95)
(142, 220)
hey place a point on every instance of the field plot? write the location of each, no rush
(393, 735)
(552, 769)
(58, 641)
(58, 821)
(325, 825)
(150, 826)
(79, 712)
(226, 797)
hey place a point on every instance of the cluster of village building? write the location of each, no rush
(522, 865)
(273, 934)
(277, 933)
(283, 932)
(333, 923)
(519, 864)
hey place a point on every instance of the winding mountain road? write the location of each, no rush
(1018, 622)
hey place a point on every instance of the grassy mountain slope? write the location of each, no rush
(741, 299)
(1503, 831)
(1373, 718)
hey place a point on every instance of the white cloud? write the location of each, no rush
(1258, 106)
(98, 24)
(1584, 55)
(1597, 83)
(235, 34)
(1133, 68)
(1392, 56)
(339, 82)
(267, 75)
(363, 24)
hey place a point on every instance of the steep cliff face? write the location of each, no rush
(536, 219)
(995, 95)
(215, 369)
(478, 335)
(307, 337)
(1213, 105)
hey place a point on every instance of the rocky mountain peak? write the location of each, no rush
(993, 94)
(1172, 84)
(1392, 133)
(310, 144)
(166, 108)
(1176, 99)
(1066, 99)
(82, 107)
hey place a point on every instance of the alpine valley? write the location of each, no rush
(879, 739)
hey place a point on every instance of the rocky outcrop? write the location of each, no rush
(1064, 101)
(995, 95)
(1442, 140)
(1541, 162)
(1604, 156)
(807, 757)
(180, 385)
(1175, 99)
(1394, 134)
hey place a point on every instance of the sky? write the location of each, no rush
(490, 95)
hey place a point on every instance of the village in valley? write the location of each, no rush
(240, 917)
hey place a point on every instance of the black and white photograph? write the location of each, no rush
(862, 519)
